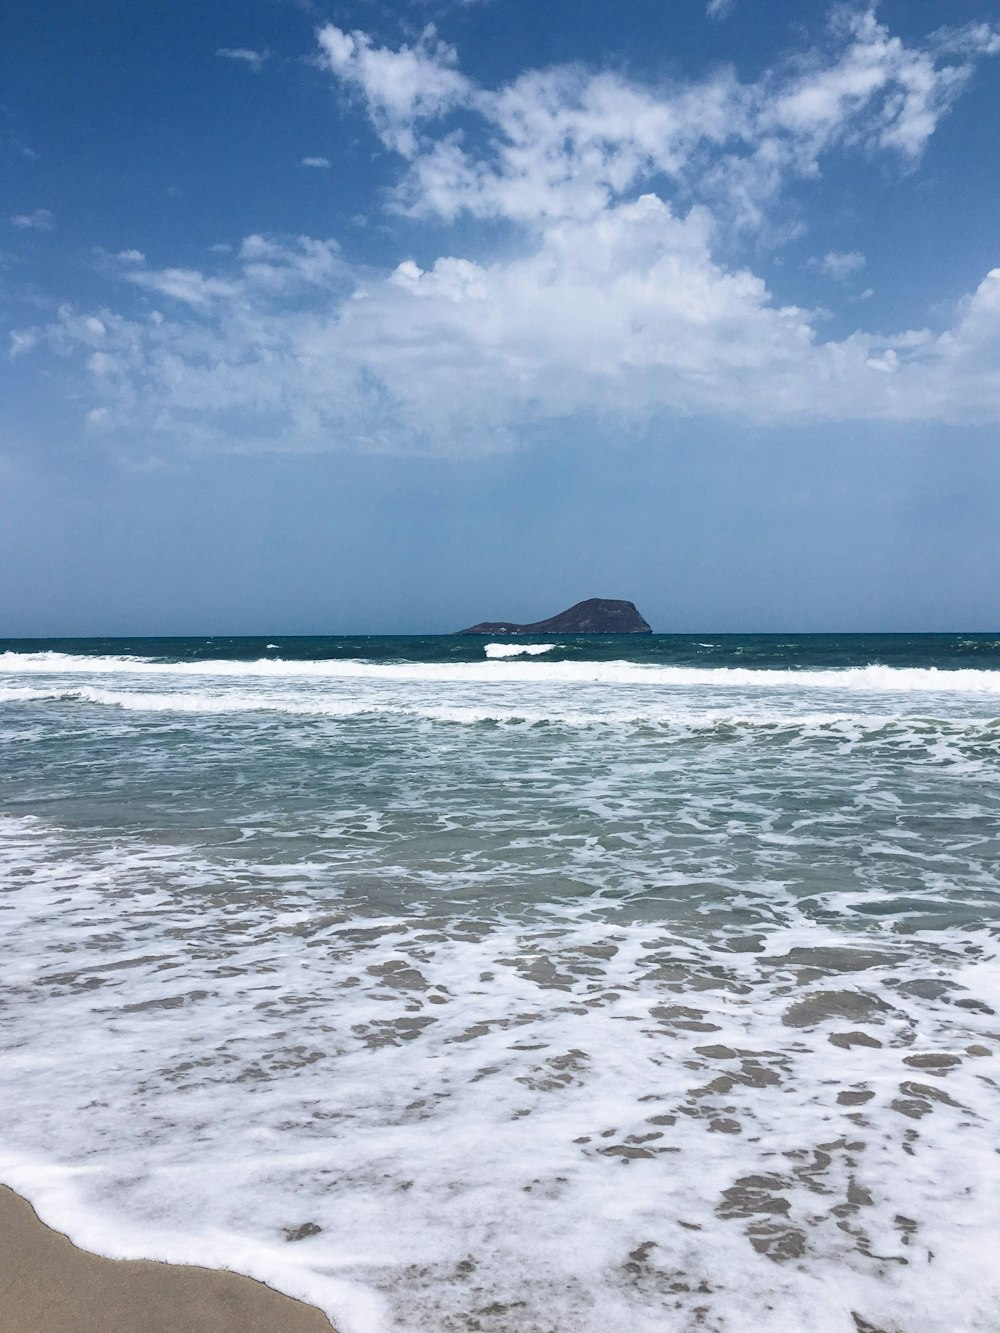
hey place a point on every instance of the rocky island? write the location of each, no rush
(597, 615)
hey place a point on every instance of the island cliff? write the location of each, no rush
(597, 615)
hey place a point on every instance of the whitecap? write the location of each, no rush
(518, 650)
(874, 678)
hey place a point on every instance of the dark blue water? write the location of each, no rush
(772, 651)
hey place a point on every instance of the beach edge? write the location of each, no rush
(50, 1285)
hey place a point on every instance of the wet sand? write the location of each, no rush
(47, 1285)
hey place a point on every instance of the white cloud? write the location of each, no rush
(263, 267)
(612, 303)
(254, 60)
(616, 318)
(840, 265)
(320, 163)
(23, 341)
(401, 88)
(719, 9)
(40, 220)
(879, 93)
(567, 141)
(183, 284)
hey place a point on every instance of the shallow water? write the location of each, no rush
(636, 984)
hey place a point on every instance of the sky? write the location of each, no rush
(365, 317)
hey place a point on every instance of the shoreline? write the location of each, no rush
(50, 1285)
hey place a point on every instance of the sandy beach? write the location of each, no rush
(47, 1285)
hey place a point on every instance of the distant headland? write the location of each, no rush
(597, 615)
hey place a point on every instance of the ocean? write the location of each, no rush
(549, 986)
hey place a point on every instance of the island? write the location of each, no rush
(597, 615)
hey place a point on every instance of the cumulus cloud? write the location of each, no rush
(319, 163)
(254, 60)
(612, 303)
(719, 9)
(619, 318)
(39, 220)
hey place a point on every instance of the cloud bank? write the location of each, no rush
(612, 303)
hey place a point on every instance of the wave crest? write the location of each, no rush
(518, 649)
(875, 678)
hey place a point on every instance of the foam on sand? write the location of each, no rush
(512, 994)
(222, 1066)
(50, 1286)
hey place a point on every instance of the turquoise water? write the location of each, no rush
(641, 983)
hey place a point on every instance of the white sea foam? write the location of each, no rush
(518, 650)
(946, 738)
(860, 680)
(567, 1123)
(868, 679)
(560, 996)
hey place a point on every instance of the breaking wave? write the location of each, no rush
(518, 649)
(875, 678)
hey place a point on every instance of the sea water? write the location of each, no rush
(561, 986)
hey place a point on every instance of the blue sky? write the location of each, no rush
(364, 317)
